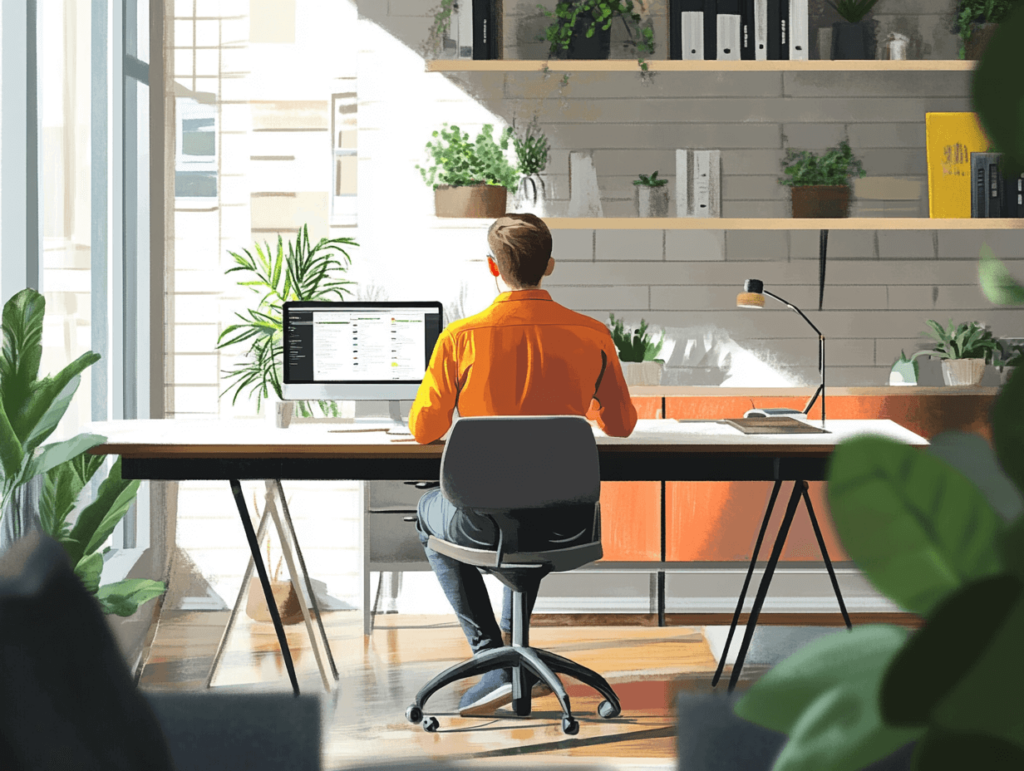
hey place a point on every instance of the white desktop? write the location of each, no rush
(359, 351)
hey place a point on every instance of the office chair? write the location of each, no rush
(518, 471)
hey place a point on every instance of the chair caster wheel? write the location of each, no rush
(607, 710)
(570, 726)
(414, 714)
(430, 724)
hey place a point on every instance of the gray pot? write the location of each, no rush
(652, 201)
(21, 516)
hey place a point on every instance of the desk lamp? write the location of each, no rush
(752, 296)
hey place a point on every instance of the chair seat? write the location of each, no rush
(568, 558)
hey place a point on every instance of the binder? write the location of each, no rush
(727, 30)
(799, 45)
(761, 29)
(747, 36)
(691, 29)
(711, 29)
(707, 183)
(778, 29)
(462, 29)
(684, 183)
(675, 37)
(1013, 200)
(487, 28)
(993, 194)
(950, 138)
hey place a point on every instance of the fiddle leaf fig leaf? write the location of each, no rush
(916, 526)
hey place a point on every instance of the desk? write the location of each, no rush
(233, 450)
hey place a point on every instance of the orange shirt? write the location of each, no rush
(524, 355)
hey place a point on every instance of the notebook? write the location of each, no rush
(774, 426)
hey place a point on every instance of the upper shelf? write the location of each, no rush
(675, 65)
(757, 223)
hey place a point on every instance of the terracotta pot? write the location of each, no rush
(642, 373)
(821, 200)
(963, 372)
(481, 200)
(980, 35)
(284, 595)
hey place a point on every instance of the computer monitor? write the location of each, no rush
(358, 351)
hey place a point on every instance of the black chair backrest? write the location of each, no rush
(520, 462)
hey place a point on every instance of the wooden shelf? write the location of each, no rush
(778, 223)
(630, 65)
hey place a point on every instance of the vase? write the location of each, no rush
(652, 201)
(531, 196)
(597, 46)
(21, 515)
(642, 373)
(278, 412)
(976, 43)
(821, 200)
(482, 200)
(850, 41)
(963, 372)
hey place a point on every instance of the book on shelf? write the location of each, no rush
(684, 183)
(747, 35)
(992, 193)
(487, 29)
(799, 46)
(711, 29)
(707, 183)
(727, 31)
(1014, 191)
(778, 30)
(462, 29)
(686, 29)
(950, 138)
(761, 29)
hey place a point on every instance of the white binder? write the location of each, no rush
(692, 26)
(798, 33)
(683, 183)
(728, 36)
(707, 183)
(463, 11)
(761, 29)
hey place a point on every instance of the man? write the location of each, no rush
(524, 355)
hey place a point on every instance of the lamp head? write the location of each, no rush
(752, 295)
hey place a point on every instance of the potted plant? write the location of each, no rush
(651, 196)
(637, 352)
(439, 43)
(850, 37)
(976, 20)
(306, 272)
(964, 350)
(532, 152)
(821, 184)
(904, 371)
(469, 178)
(582, 29)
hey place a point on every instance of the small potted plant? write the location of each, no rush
(637, 353)
(532, 152)
(850, 37)
(821, 184)
(651, 196)
(582, 29)
(1006, 358)
(976, 20)
(470, 178)
(964, 350)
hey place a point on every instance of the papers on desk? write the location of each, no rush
(776, 425)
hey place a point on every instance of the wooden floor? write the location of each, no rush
(364, 715)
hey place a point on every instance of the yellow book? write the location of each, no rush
(950, 139)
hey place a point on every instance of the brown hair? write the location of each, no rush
(521, 246)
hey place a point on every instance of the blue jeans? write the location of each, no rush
(463, 584)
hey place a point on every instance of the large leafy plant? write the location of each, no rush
(591, 15)
(304, 272)
(972, 12)
(634, 344)
(834, 167)
(924, 529)
(459, 160)
(532, 150)
(966, 340)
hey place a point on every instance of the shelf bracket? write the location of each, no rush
(822, 250)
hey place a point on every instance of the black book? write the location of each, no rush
(747, 47)
(729, 29)
(675, 29)
(986, 186)
(710, 29)
(778, 29)
(1013, 197)
(487, 29)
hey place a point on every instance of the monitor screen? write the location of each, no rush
(358, 350)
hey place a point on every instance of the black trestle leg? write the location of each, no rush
(828, 562)
(746, 582)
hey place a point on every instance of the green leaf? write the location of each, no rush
(89, 570)
(48, 402)
(944, 749)
(825, 696)
(123, 598)
(974, 457)
(1008, 428)
(53, 455)
(22, 347)
(12, 454)
(997, 93)
(917, 527)
(996, 282)
(1011, 548)
(98, 519)
(938, 656)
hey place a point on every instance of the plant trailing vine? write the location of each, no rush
(459, 161)
(305, 272)
(440, 26)
(835, 167)
(591, 15)
(532, 151)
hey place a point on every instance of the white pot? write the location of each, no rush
(530, 197)
(278, 413)
(652, 201)
(642, 373)
(963, 372)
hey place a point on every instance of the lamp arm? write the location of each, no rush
(793, 307)
(821, 356)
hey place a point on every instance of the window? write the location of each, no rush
(195, 156)
(343, 138)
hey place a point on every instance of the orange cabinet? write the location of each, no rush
(631, 511)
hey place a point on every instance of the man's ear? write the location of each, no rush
(493, 267)
(551, 266)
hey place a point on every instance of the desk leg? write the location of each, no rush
(828, 562)
(746, 582)
(261, 570)
(762, 589)
(305, 572)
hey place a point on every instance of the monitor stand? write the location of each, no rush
(398, 426)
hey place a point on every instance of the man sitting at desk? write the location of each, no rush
(524, 355)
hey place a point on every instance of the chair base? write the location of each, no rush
(521, 660)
